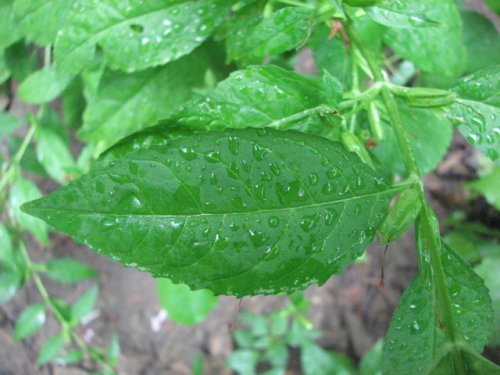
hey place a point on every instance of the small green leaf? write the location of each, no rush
(50, 349)
(401, 216)
(113, 350)
(210, 210)
(436, 49)
(5, 245)
(8, 123)
(477, 113)
(488, 270)
(71, 357)
(489, 187)
(151, 33)
(53, 150)
(29, 321)
(265, 96)
(66, 270)
(10, 282)
(244, 361)
(371, 363)
(197, 367)
(43, 86)
(251, 37)
(317, 361)
(84, 304)
(22, 191)
(184, 305)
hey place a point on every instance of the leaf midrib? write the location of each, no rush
(274, 210)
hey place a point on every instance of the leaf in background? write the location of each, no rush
(430, 136)
(317, 361)
(474, 363)
(250, 37)
(4, 69)
(41, 20)
(52, 149)
(151, 33)
(243, 361)
(9, 29)
(414, 337)
(50, 349)
(401, 14)
(184, 305)
(126, 102)
(10, 282)
(43, 86)
(21, 60)
(494, 5)
(265, 96)
(331, 55)
(371, 363)
(84, 304)
(5, 245)
(113, 350)
(72, 356)
(210, 210)
(477, 113)
(481, 39)
(489, 187)
(436, 49)
(73, 103)
(8, 123)
(29, 161)
(24, 190)
(67, 270)
(488, 270)
(29, 321)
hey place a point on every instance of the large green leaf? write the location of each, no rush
(266, 96)
(251, 37)
(135, 35)
(41, 20)
(125, 102)
(183, 305)
(436, 49)
(477, 113)
(414, 337)
(251, 211)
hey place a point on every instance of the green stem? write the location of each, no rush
(433, 245)
(5, 180)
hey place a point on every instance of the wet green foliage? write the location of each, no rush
(207, 160)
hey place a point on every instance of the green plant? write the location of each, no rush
(267, 339)
(266, 180)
